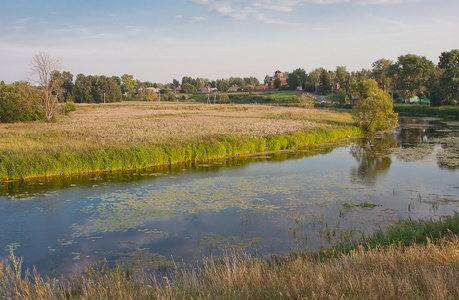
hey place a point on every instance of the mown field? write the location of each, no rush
(131, 135)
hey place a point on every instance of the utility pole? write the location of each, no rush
(215, 97)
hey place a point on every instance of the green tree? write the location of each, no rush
(277, 83)
(237, 80)
(128, 85)
(151, 95)
(267, 79)
(383, 73)
(187, 79)
(223, 98)
(222, 85)
(342, 77)
(105, 89)
(374, 111)
(82, 89)
(313, 80)
(412, 72)
(325, 82)
(96, 89)
(293, 81)
(188, 88)
(449, 78)
(297, 78)
(16, 105)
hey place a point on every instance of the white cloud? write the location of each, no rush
(198, 19)
(377, 2)
(261, 9)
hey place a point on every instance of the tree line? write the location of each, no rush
(409, 76)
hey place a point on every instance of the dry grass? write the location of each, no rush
(417, 272)
(99, 126)
(140, 134)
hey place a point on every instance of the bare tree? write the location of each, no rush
(42, 68)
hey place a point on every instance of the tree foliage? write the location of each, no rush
(382, 73)
(374, 111)
(449, 78)
(188, 88)
(16, 105)
(222, 85)
(412, 72)
(277, 83)
(297, 78)
(96, 89)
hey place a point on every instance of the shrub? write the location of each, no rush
(16, 105)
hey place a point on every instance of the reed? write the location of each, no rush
(98, 138)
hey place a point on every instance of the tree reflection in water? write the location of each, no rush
(372, 155)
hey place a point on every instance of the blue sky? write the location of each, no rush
(161, 40)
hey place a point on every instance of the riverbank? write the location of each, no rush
(133, 135)
(411, 260)
(424, 110)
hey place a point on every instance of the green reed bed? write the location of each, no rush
(424, 110)
(15, 165)
(408, 232)
(427, 270)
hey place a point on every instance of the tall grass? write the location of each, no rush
(95, 140)
(14, 165)
(407, 233)
(420, 271)
(419, 109)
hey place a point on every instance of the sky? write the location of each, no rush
(162, 40)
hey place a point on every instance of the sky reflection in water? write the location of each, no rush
(264, 204)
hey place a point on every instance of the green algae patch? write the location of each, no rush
(121, 211)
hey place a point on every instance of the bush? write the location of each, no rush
(67, 107)
(16, 105)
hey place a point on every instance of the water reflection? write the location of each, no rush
(372, 157)
(268, 203)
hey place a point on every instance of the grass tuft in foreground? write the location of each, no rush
(425, 270)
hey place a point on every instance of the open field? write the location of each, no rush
(427, 267)
(139, 134)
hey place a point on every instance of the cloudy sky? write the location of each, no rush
(159, 40)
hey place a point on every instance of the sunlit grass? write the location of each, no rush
(135, 135)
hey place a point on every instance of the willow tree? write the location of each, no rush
(42, 68)
(374, 111)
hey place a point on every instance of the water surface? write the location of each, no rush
(270, 203)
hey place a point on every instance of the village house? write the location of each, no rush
(206, 89)
(281, 76)
(261, 87)
(234, 88)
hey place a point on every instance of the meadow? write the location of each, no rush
(129, 135)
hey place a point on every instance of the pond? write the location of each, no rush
(263, 204)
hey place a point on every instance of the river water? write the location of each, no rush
(263, 204)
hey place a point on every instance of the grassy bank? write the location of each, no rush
(137, 135)
(424, 110)
(426, 268)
